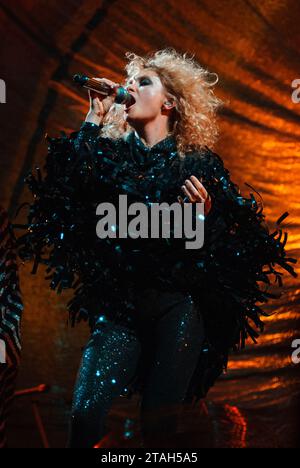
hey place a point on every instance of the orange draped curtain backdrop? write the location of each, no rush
(254, 47)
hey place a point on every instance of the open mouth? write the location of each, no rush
(130, 103)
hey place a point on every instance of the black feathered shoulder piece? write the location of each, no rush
(240, 256)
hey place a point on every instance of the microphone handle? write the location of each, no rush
(122, 95)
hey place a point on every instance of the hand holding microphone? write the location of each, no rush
(102, 94)
(99, 103)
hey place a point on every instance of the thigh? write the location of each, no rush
(109, 361)
(179, 336)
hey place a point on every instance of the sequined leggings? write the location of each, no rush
(109, 361)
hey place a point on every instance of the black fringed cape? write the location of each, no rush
(224, 277)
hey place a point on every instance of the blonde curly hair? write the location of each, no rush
(194, 120)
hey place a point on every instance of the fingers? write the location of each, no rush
(188, 193)
(93, 95)
(107, 81)
(199, 186)
(100, 103)
(194, 190)
(107, 103)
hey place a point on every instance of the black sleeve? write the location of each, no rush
(61, 211)
(243, 220)
(72, 159)
(229, 206)
(87, 134)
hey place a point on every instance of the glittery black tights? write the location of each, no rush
(110, 359)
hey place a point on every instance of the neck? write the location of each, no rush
(152, 133)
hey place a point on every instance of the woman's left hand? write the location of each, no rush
(196, 192)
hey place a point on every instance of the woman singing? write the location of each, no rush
(163, 317)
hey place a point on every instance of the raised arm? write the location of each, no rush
(99, 106)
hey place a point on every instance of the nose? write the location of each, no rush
(131, 87)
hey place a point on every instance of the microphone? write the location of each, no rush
(122, 96)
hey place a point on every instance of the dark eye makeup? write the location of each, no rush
(142, 80)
